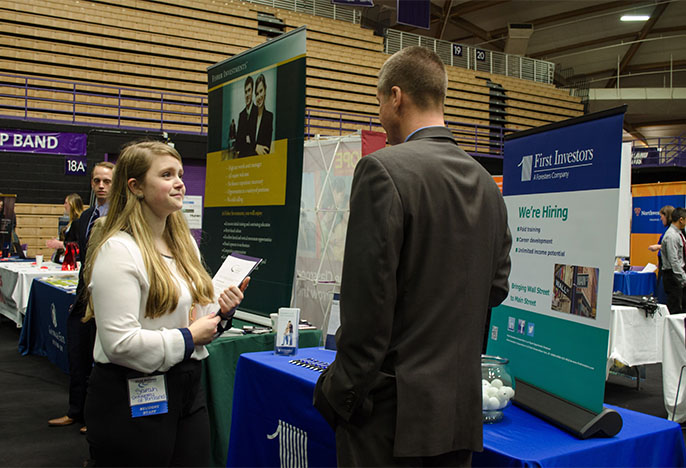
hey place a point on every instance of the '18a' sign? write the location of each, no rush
(75, 165)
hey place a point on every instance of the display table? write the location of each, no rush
(15, 285)
(44, 330)
(275, 424)
(635, 339)
(673, 357)
(218, 378)
(634, 283)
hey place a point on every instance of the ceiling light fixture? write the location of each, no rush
(635, 18)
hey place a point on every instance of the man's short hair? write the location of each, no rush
(105, 164)
(418, 72)
(678, 213)
(248, 81)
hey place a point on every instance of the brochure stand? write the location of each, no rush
(287, 332)
(572, 418)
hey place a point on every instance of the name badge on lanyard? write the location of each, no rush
(148, 396)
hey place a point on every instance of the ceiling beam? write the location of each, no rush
(620, 37)
(444, 20)
(655, 15)
(659, 123)
(564, 16)
(642, 67)
(655, 66)
(472, 28)
(475, 5)
(580, 45)
(631, 129)
(556, 18)
(456, 17)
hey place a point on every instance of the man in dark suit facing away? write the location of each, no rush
(426, 255)
(247, 123)
(81, 336)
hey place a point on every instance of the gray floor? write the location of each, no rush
(33, 390)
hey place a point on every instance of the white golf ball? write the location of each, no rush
(497, 383)
(484, 401)
(503, 394)
(510, 392)
(492, 391)
(493, 403)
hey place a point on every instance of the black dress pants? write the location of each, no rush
(676, 295)
(80, 341)
(180, 437)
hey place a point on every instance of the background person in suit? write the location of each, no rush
(426, 254)
(265, 119)
(80, 335)
(245, 135)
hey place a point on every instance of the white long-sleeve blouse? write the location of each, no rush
(119, 288)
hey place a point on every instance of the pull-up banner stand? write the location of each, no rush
(561, 185)
(328, 167)
(255, 140)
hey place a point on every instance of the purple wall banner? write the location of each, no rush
(21, 141)
(75, 165)
(414, 13)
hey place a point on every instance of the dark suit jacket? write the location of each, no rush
(246, 133)
(80, 226)
(427, 252)
(264, 133)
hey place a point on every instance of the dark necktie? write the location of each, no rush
(683, 245)
(91, 222)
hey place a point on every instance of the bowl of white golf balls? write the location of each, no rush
(497, 387)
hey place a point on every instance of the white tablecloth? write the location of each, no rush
(635, 339)
(673, 357)
(15, 285)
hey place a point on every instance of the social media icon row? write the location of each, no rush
(521, 326)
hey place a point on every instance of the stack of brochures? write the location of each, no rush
(67, 283)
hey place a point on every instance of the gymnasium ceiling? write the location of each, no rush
(588, 44)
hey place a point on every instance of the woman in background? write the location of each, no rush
(73, 207)
(155, 310)
(6, 230)
(265, 119)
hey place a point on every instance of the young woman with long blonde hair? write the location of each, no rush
(155, 309)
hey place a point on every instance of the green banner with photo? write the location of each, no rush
(255, 137)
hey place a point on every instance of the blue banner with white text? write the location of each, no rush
(565, 159)
(646, 215)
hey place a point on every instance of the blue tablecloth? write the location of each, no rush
(633, 283)
(273, 419)
(44, 331)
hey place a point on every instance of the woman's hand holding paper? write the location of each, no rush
(231, 297)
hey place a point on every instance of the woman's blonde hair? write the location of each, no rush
(75, 206)
(125, 214)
